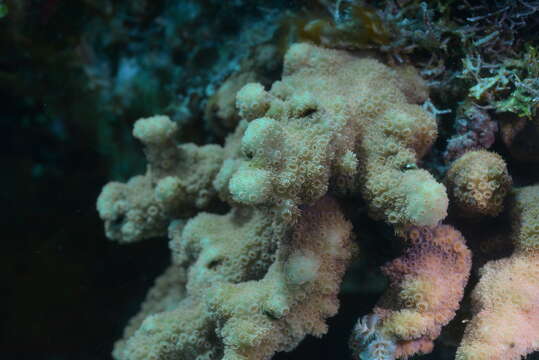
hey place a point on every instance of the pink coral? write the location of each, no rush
(426, 285)
(505, 325)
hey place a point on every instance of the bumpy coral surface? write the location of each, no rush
(506, 325)
(506, 300)
(242, 289)
(334, 119)
(525, 218)
(260, 278)
(477, 183)
(257, 279)
(177, 182)
(341, 119)
(426, 285)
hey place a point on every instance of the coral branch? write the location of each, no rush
(426, 285)
(243, 299)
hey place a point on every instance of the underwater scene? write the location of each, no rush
(256, 180)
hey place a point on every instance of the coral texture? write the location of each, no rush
(426, 285)
(477, 183)
(339, 118)
(178, 182)
(241, 288)
(309, 131)
(506, 300)
(340, 135)
(258, 279)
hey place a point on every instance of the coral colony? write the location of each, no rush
(344, 126)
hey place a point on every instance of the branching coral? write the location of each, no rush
(296, 295)
(328, 121)
(177, 182)
(251, 288)
(258, 279)
(266, 274)
(343, 119)
(426, 285)
(220, 113)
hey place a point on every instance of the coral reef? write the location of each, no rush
(178, 180)
(380, 117)
(305, 135)
(263, 225)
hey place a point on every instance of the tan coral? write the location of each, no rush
(220, 113)
(178, 181)
(243, 298)
(263, 276)
(335, 117)
(221, 107)
(505, 325)
(477, 183)
(296, 295)
(235, 247)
